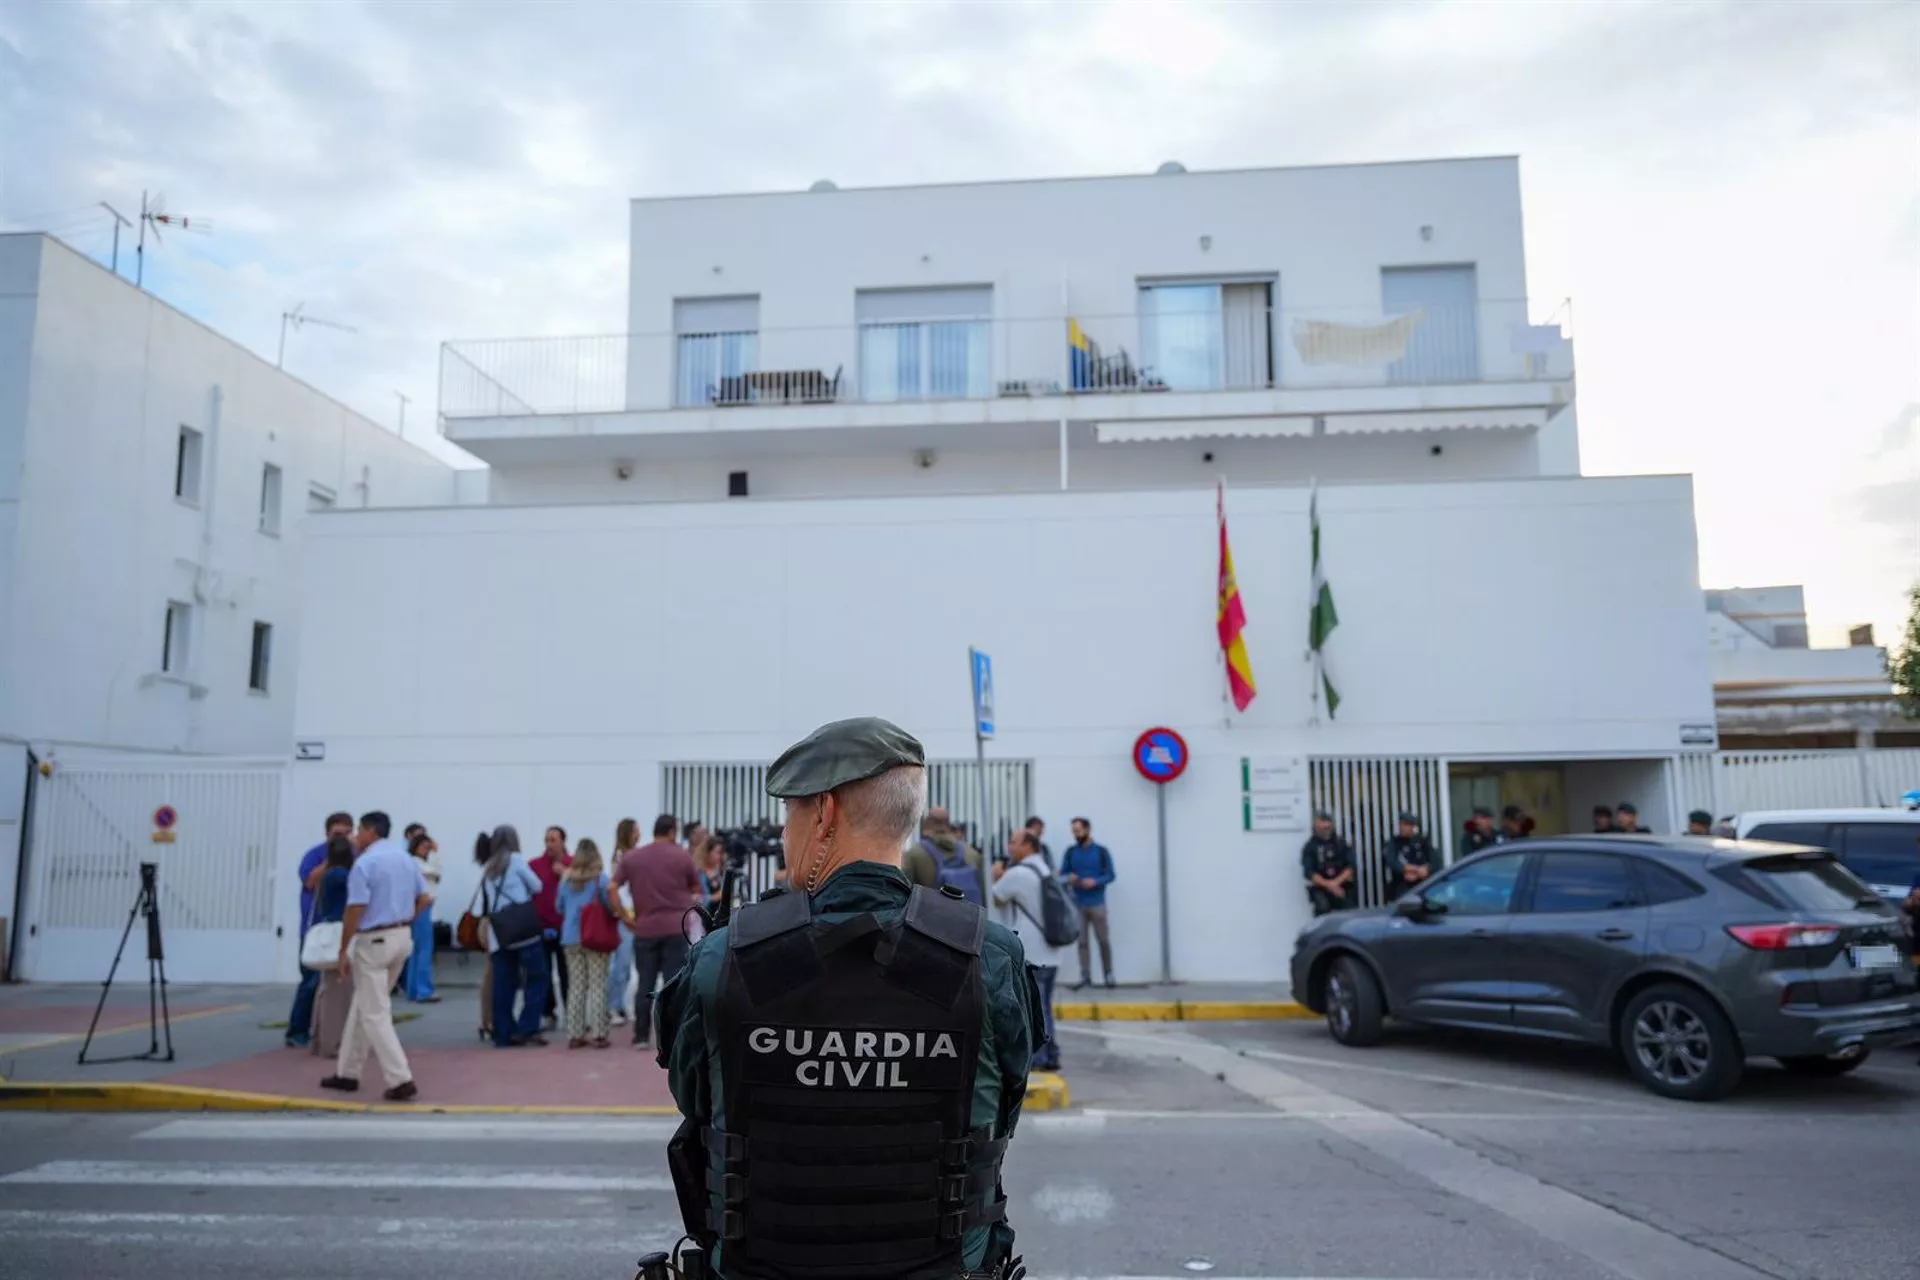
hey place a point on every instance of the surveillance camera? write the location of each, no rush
(623, 470)
(1206, 457)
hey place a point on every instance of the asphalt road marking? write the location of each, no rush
(428, 1177)
(350, 1128)
(1074, 1203)
(1591, 1230)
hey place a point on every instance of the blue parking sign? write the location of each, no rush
(982, 693)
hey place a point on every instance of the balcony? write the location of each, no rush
(1167, 365)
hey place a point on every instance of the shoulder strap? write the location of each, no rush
(954, 921)
(769, 918)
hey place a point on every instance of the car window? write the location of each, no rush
(1798, 882)
(1663, 884)
(1809, 833)
(1480, 888)
(1584, 882)
(1882, 852)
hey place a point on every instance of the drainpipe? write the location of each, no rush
(205, 581)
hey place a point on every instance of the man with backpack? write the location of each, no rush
(942, 858)
(1034, 905)
(1088, 867)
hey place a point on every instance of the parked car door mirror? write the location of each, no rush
(1415, 905)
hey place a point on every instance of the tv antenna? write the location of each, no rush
(118, 222)
(404, 400)
(298, 317)
(153, 214)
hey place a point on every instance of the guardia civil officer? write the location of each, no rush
(1326, 861)
(1479, 834)
(1410, 857)
(850, 1054)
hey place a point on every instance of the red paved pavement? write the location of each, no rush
(479, 1076)
(72, 1019)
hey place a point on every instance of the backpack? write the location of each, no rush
(959, 873)
(1059, 920)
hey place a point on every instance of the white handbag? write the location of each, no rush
(321, 949)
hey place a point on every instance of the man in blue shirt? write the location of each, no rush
(1088, 868)
(385, 891)
(312, 866)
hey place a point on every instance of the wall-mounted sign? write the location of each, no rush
(1698, 735)
(1271, 774)
(1273, 812)
(165, 818)
(309, 751)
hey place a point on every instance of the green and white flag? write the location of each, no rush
(1321, 618)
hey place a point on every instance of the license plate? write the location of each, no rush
(1880, 956)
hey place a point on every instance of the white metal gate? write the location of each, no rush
(1730, 782)
(92, 828)
(1367, 794)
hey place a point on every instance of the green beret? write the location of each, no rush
(845, 751)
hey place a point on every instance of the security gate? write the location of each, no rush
(92, 827)
(1366, 795)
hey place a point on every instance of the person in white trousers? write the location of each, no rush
(385, 892)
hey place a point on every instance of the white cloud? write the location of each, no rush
(1729, 192)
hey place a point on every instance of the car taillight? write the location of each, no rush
(1783, 937)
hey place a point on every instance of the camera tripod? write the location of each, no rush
(147, 903)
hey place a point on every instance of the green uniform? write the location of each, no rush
(692, 1054)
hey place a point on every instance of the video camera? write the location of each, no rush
(742, 843)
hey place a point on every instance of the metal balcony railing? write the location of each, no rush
(977, 358)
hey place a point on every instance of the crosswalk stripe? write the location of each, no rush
(612, 1130)
(224, 1174)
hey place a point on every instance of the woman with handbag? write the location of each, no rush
(321, 950)
(516, 958)
(589, 935)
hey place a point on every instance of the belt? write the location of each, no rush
(385, 928)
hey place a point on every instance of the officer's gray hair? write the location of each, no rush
(888, 807)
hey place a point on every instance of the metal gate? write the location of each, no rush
(92, 828)
(1366, 795)
(735, 795)
(1731, 782)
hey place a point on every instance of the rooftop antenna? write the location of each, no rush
(405, 400)
(118, 222)
(298, 317)
(153, 214)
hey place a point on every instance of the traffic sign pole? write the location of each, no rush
(1161, 756)
(980, 671)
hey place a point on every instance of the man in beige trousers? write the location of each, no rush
(385, 891)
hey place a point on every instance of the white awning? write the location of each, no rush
(1198, 429)
(1430, 420)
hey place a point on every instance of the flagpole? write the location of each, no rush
(1226, 680)
(1312, 654)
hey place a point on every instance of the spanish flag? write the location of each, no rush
(1231, 618)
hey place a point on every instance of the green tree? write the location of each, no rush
(1903, 663)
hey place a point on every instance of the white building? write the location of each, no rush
(1772, 691)
(155, 480)
(994, 415)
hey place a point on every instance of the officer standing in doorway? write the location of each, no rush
(1479, 831)
(1410, 857)
(893, 1021)
(1326, 860)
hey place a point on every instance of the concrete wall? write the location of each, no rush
(1077, 247)
(558, 655)
(99, 543)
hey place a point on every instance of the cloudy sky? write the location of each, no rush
(1729, 193)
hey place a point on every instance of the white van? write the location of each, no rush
(1880, 846)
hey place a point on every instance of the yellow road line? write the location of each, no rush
(78, 1036)
(1180, 1011)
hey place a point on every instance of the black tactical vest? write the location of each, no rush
(848, 1064)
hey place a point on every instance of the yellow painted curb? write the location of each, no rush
(1046, 1091)
(174, 1097)
(1181, 1011)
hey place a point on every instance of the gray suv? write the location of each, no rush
(1687, 955)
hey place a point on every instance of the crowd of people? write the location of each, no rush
(568, 933)
(1329, 867)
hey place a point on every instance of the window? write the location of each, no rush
(1663, 884)
(716, 345)
(176, 637)
(1816, 835)
(736, 484)
(186, 466)
(925, 344)
(320, 497)
(1444, 345)
(1207, 337)
(1884, 854)
(1584, 882)
(259, 670)
(1483, 888)
(270, 499)
(1797, 882)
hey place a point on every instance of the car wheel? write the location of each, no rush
(1354, 1006)
(1822, 1067)
(1679, 1044)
